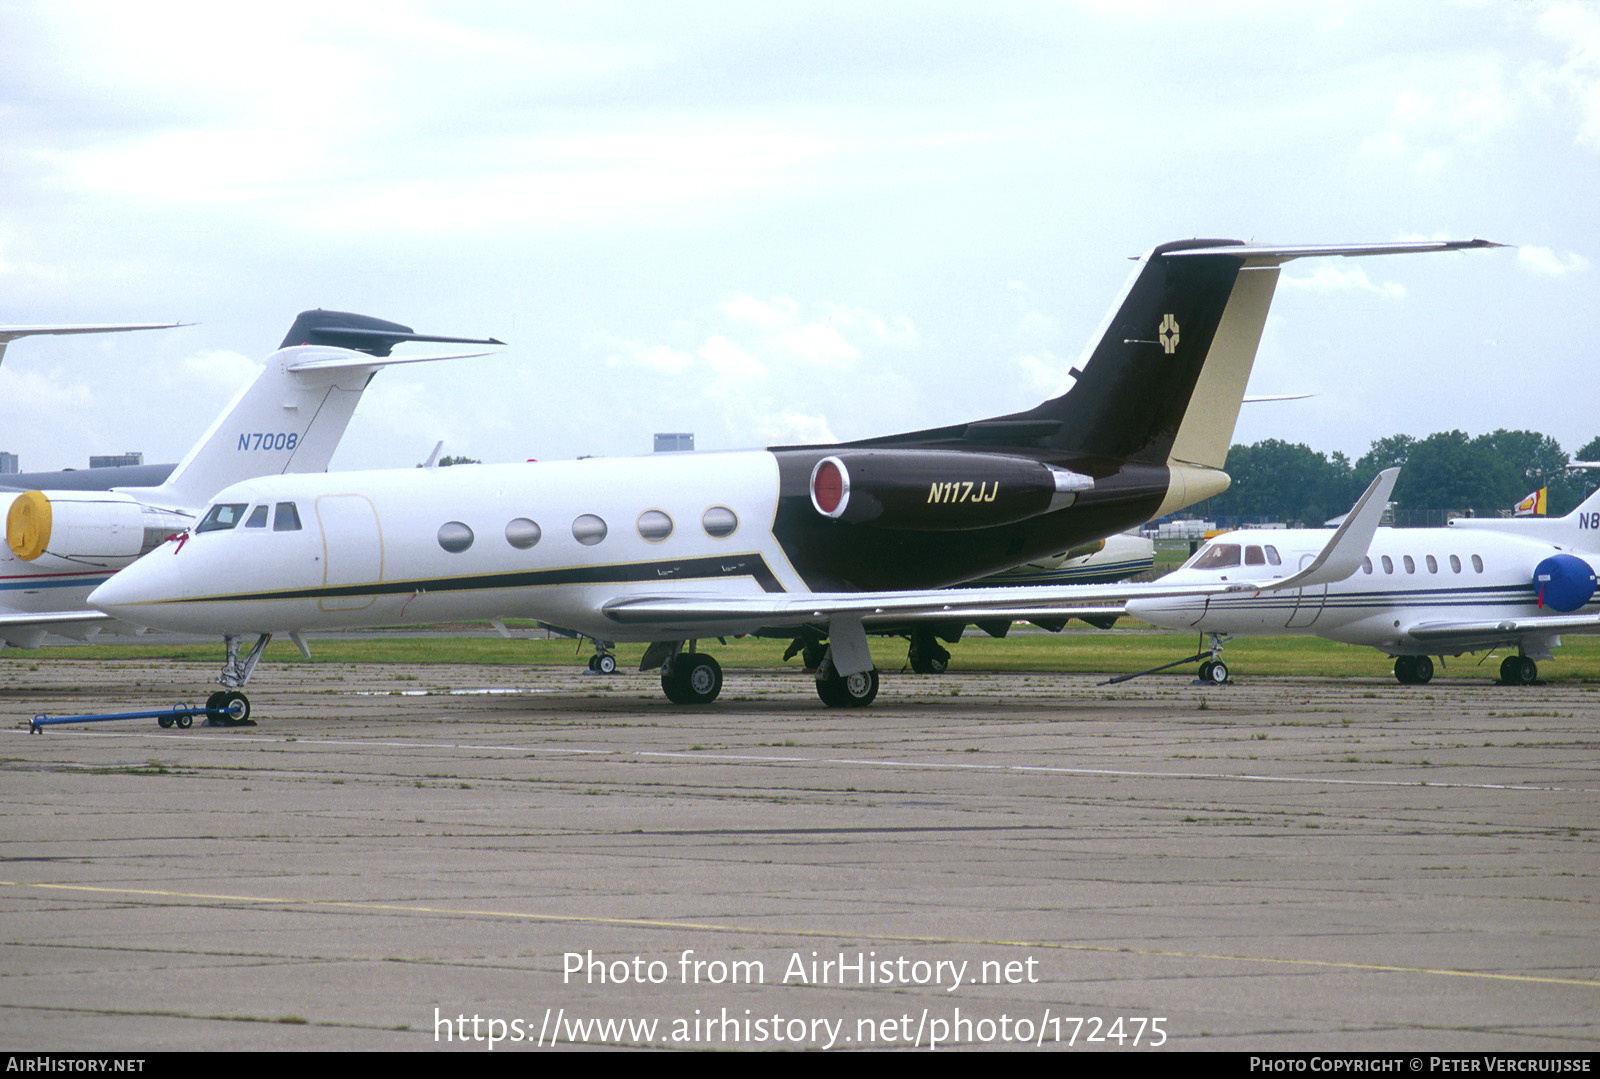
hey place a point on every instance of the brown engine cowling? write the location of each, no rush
(938, 491)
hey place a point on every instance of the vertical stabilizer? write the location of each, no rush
(291, 418)
(285, 420)
(1578, 530)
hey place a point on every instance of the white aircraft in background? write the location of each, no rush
(63, 542)
(1478, 584)
(1115, 558)
(826, 541)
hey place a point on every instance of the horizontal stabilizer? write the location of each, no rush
(1274, 255)
(362, 333)
(325, 362)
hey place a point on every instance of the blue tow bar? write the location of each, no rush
(181, 714)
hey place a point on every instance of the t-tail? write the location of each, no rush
(291, 417)
(1162, 381)
(1577, 531)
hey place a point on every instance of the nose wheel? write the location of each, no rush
(1214, 672)
(228, 708)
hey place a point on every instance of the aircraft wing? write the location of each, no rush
(935, 605)
(1488, 633)
(849, 615)
(1339, 558)
(9, 334)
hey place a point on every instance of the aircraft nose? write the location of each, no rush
(130, 593)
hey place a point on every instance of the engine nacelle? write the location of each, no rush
(1564, 582)
(72, 529)
(938, 490)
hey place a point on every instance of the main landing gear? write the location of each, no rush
(1518, 671)
(926, 655)
(1413, 670)
(691, 678)
(846, 690)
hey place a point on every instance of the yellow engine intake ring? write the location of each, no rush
(28, 525)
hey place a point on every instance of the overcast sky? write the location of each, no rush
(769, 223)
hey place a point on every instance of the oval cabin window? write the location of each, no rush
(654, 525)
(455, 537)
(719, 522)
(522, 533)
(588, 530)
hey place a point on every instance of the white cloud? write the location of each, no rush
(544, 170)
(41, 393)
(1549, 263)
(770, 316)
(217, 369)
(652, 357)
(1578, 27)
(1043, 375)
(831, 338)
(728, 360)
(793, 428)
(1331, 277)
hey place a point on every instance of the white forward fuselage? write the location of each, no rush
(64, 541)
(1415, 584)
(552, 541)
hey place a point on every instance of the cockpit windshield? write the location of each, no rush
(223, 515)
(1232, 555)
(1217, 556)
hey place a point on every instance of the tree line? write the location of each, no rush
(1444, 474)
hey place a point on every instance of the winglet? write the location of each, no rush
(1348, 545)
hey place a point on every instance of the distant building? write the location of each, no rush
(112, 460)
(9, 462)
(675, 443)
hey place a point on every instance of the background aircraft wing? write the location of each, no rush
(26, 629)
(9, 334)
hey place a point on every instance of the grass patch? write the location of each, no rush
(1073, 651)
